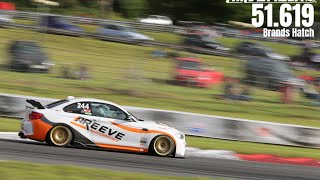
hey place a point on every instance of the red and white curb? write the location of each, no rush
(218, 154)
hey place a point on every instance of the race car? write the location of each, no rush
(98, 123)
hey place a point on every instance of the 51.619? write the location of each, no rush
(302, 14)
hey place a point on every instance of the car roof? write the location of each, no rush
(248, 42)
(265, 60)
(22, 41)
(189, 59)
(114, 24)
(159, 16)
(25, 43)
(91, 100)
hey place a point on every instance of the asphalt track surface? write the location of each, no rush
(190, 166)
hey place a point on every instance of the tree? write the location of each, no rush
(132, 8)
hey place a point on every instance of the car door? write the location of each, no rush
(77, 115)
(106, 30)
(112, 127)
(113, 31)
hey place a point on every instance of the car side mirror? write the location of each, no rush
(130, 118)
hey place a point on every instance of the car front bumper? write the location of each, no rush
(180, 148)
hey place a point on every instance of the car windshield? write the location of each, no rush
(134, 117)
(30, 48)
(208, 39)
(125, 28)
(153, 17)
(189, 65)
(62, 20)
(281, 67)
(265, 49)
(164, 18)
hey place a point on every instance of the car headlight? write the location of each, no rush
(180, 135)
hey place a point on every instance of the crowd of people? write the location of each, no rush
(81, 74)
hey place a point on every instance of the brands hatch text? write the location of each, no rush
(98, 123)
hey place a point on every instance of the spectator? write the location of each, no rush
(309, 91)
(233, 92)
(83, 73)
(287, 92)
(159, 53)
(245, 94)
(229, 90)
(66, 72)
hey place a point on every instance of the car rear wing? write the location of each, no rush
(35, 104)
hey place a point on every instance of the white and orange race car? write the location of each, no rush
(98, 123)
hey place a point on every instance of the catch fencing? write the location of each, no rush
(198, 124)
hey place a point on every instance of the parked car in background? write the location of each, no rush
(156, 19)
(255, 49)
(28, 56)
(6, 18)
(197, 28)
(191, 71)
(122, 31)
(58, 22)
(307, 57)
(269, 73)
(203, 42)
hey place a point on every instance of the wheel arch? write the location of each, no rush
(61, 124)
(150, 149)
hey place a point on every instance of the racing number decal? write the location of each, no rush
(85, 108)
(83, 105)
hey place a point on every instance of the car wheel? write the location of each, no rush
(60, 136)
(162, 146)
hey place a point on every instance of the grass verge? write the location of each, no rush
(252, 148)
(31, 171)
(9, 124)
(129, 75)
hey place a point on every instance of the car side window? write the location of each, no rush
(107, 111)
(79, 108)
(113, 27)
(153, 17)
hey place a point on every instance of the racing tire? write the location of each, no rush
(59, 136)
(162, 146)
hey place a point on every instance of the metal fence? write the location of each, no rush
(198, 124)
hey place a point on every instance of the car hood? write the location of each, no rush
(5, 18)
(316, 58)
(31, 58)
(187, 72)
(139, 36)
(217, 46)
(71, 27)
(278, 56)
(151, 125)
